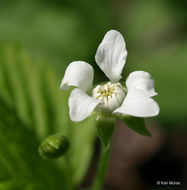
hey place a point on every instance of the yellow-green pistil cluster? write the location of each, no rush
(106, 92)
(111, 96)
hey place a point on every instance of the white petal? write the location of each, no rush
(79, 74)
(111, 55)
(81, 105)
(138, 103)
(141, 80)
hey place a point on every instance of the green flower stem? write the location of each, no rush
(102, 169)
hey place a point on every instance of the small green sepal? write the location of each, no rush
(54, 146)
(105, 128)
(137, 124)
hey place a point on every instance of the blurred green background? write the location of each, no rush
(38, 39)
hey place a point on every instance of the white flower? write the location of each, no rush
(112, 97)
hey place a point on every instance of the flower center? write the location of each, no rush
(111, 96)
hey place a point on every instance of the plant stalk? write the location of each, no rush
(102, 169)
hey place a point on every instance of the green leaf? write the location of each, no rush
(31, 90)
(18, 152)
(82, 138)
(105, 129)
(137, 124)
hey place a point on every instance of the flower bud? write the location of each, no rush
(54, 146)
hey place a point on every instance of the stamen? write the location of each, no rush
(110, 94)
